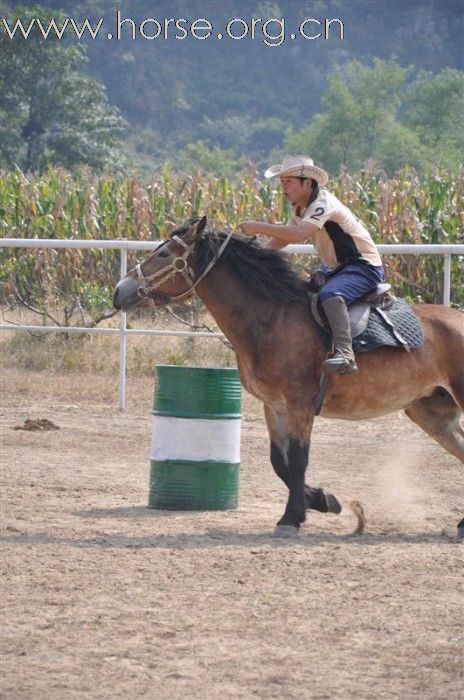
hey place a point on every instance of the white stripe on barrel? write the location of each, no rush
(195, 439)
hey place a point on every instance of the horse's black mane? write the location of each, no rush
(266, 273)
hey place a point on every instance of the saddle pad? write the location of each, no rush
(378, 332)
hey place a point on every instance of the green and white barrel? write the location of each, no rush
(195, 448)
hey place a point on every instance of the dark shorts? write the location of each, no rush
(352, 281)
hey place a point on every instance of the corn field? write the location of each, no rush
(58, 204)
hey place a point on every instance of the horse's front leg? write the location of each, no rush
(290, 436)
(295, 511)
(277, 424)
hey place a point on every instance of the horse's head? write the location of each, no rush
(166, 274)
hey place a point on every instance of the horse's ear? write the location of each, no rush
(196, 228)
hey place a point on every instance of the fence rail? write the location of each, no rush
(446, 251)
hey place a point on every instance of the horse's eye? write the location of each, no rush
(163, 254)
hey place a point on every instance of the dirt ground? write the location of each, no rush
(105, 598)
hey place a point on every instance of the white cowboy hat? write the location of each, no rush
(298, 166)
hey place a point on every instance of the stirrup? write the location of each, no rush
(339, 364)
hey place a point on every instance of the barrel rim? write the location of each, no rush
(194, 463)
(199, 416)
(210, 369)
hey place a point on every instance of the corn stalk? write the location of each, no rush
(407, 208)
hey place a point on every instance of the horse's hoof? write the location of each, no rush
(285, 531)
(461, 530)
(333, 504)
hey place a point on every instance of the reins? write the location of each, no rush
(179, 266)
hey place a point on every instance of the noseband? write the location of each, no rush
(179, 266)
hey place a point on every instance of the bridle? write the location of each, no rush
(179, 266)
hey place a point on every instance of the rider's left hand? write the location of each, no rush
(249, 228)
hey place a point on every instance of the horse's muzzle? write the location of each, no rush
(125, 294)
(115, 300)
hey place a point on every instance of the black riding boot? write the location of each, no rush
(343, 360)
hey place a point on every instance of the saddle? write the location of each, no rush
(378, 318)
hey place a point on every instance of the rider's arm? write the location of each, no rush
(273, 244)
(280, 235)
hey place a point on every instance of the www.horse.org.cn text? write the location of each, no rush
(269, 32)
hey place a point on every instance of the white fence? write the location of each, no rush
(123, 245)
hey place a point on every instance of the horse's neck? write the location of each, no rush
(234, 309)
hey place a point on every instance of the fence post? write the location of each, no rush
(447, 280)
(122, 341)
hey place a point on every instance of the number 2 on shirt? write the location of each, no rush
(318, 213)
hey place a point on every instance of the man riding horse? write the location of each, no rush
(349, 256)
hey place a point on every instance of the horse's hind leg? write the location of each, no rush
(439, 416)
(457, 388)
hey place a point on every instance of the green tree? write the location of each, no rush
(373, 113)
(398, 147)
(435, 112)
(201, 156)
(50, 110)
(359, 119)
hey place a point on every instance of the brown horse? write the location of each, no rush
(262, 307)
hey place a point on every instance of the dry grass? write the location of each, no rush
(99, 354)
